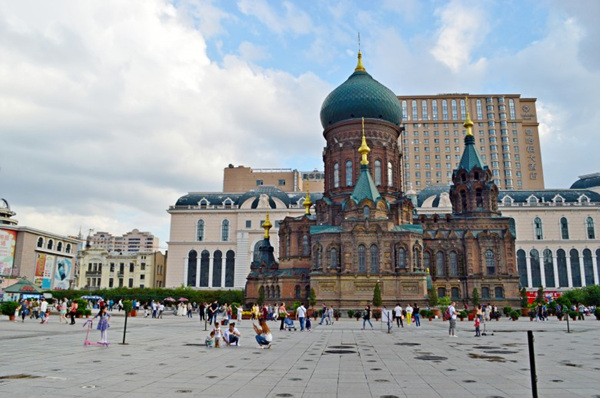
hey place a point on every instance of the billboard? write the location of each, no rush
(8, 241)
(43, 270)
(62, 273)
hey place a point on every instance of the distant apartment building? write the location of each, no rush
(506, 133)
(101, 269)
(131, 242)
(243, 179)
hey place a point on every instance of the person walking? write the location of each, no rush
(367, 317)
(282, 314)
(324, 315)
(417, 315)
(399, 316)
(409, 312)
(63, 311)
(73, 311)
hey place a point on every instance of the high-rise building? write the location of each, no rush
(132, 242)
(505, 130)
(244, 179)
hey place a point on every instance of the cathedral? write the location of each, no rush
(364, 230)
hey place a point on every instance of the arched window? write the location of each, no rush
(50, 244)
(404, 110)
(427, 260)
(362, 259)
(440, 264)
(537, 226)
(200, 230)
(564, 228)
(536, 276)
(192, 266)
(336, 175)
(288, 242)
(454, 293)
(256, 251)
(225, 231)
(40, 242)
(453, 264)
(378, 173)
(598, 260)
(217, 268)
(575, 270)
(401, 258)
(59, 246)
(317, 257)
(334, 258)
(589, 224)
(366, 212)
(297, 292)
(374, 259)
(229, 268)
(463, 201)
(68, 248)
(277, 292)
(490, 262)
(349, 173)
(204, 266)
(588, 267)
(485, 292)
(305, 246)
(390, 175)
(479, 198)
(499, 292)
(522, 267)
(549, 268)
(441, 292)
(416, 257)
(561, 263)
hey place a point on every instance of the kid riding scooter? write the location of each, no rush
(90, 323)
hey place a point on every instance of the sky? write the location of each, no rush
(111, 110)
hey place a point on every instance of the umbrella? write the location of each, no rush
(169, 299)
(182, 299)
(92, 298)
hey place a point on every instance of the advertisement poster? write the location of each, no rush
(39, 269)
(8, 240)
(48, 268)
(62, 273)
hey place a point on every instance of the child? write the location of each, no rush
(477, 323)
(308, 325)
(218, 335)
(103, 325)
(210, 339)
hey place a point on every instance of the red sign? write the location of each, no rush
(27, 289)
(549, 295)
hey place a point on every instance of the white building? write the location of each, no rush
(214, 236)
(131, 242)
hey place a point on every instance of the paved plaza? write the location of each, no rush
(166, 358)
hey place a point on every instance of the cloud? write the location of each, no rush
(462, 28)
(110, 116)
(289, 20)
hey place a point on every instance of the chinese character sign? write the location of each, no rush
(8, 240)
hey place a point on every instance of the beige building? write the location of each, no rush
(101, 269)
(243, 179)
(505, 130)
(47, 259)
(557, 243)
(131, 242)
(214, 236)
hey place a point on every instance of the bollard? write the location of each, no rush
(125, 329)
(534, 393)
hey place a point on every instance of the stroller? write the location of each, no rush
(289, 324)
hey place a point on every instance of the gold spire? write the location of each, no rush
(359, 65)
(364, 148)
(267, 226)
(307, 203)
(468, 122)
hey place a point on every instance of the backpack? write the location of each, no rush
(447, 315)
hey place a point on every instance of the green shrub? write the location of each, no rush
(597, 313)
(424, 313)
(463, 314)
(515, 314)
(9, 307)
(507, 310)
(350, 313)
(573, 314)
(445, 301)
(377, 314)
(127, 306)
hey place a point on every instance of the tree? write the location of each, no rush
(524, 300)
(312, 297)
(475, 299)
(432, 297)
(540, 295)
(377, 296)
(261, 296)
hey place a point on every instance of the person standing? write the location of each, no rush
(103, 324)
(282, 314)
(43, 310)
(452, 320)
(214, 312)
(63, 311)
(301, 315)
(202, 311)
(399, 316)
(73, 311)
(367, 317)
(330, 315)
(417, 315)
(161, 309)
(409, 312)
(239, 310)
